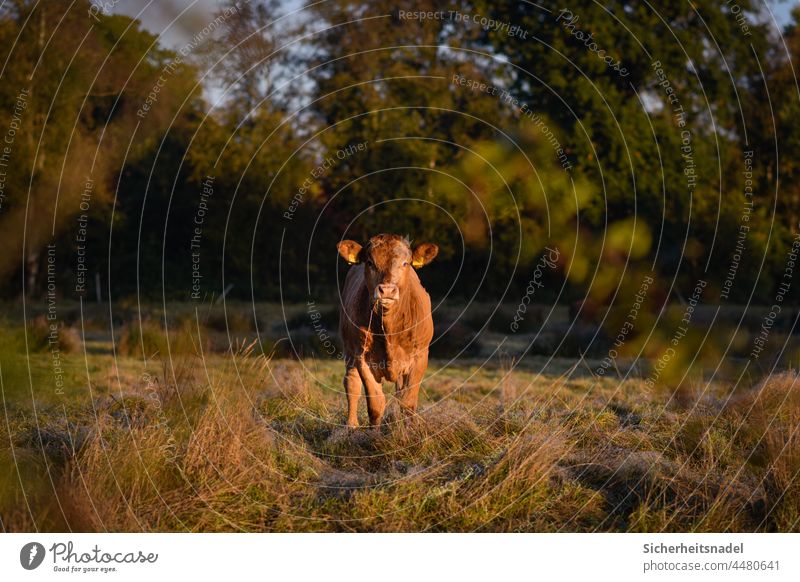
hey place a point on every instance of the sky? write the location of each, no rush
(178, 21)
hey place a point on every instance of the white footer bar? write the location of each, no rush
(400, 557)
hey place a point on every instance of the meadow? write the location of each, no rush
(203, 430)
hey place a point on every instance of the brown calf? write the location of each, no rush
(385, 322)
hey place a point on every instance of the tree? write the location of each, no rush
(390, 81)
(648, 102)
(84, 81)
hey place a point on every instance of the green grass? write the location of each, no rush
(202, 440)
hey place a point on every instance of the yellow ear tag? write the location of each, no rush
(352, 258)
(416, 263)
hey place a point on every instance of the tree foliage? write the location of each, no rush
(622, 132)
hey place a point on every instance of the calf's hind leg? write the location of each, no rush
(408, 387)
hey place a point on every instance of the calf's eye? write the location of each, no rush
(405, 263)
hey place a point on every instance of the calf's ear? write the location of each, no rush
(423, 254)
(350, 251)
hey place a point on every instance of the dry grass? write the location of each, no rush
(241, 443)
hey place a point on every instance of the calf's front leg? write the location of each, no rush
(376, 401)
(352, 387)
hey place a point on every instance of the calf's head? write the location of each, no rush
(388, 260)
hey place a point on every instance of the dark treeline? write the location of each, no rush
(630, 138)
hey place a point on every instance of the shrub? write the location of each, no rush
(39, 333)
